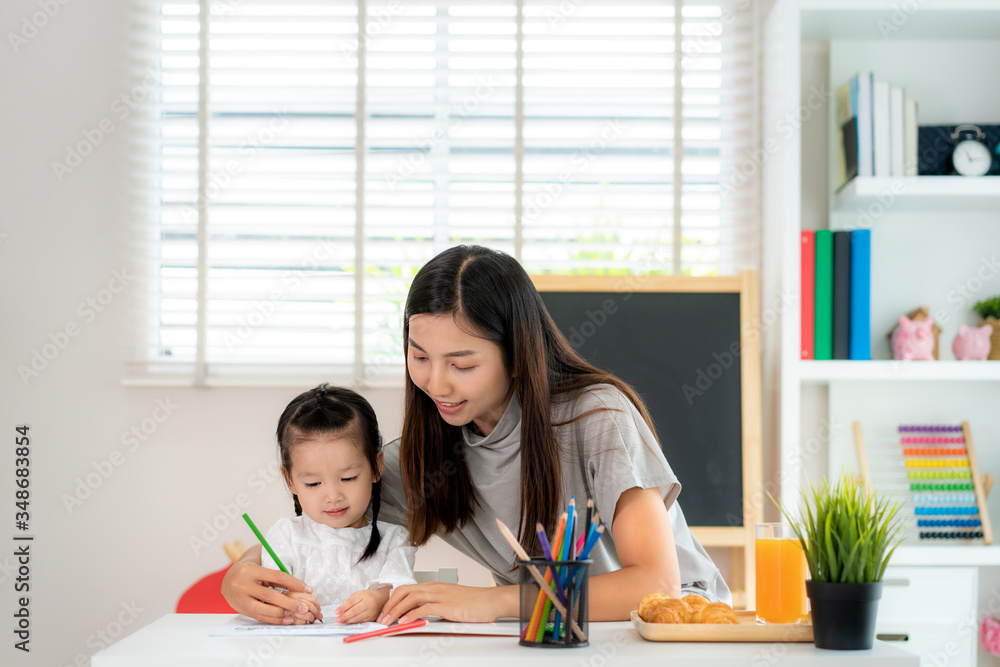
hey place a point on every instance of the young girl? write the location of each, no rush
(331, 459)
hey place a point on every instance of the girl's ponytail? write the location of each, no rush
(375, 538)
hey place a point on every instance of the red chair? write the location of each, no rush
(205, 596)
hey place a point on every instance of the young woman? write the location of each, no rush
(503, 419)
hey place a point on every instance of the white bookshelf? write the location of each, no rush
(898, 371)
(943, 225)
(949, 26)
(918, 194)
(924, 20)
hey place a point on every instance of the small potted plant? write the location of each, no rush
(989, 310)
(848, 534)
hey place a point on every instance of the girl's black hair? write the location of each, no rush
(326, 410)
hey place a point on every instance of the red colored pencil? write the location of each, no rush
(392, 629)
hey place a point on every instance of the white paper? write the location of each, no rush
(244, 626)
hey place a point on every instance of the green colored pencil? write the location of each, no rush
(267, 546)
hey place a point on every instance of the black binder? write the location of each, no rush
(842, 295)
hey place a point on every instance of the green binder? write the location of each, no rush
(824, 295)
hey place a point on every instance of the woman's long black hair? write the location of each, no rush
(327, 410)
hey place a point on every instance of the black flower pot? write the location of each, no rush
(843, 615)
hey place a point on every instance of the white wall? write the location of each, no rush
(124, 554)
(815, 204)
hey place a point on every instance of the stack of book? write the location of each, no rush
(836, 294)
(876, 130)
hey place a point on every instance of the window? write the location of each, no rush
(298, 162)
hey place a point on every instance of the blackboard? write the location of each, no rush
(681, 354)
(689, 346)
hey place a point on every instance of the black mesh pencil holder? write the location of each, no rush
(543, 624)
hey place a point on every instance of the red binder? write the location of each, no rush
(808, 292)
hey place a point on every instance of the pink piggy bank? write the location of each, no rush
(972, 343)
(913, 340)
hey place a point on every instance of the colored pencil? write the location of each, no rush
(540, 530)
(522, 554)
(587, 527)
(390, 630)
(558, 538)
(591, 542)
(270, 551)
(594, 523)
(567, 550)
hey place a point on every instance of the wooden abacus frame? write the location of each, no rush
(981, 485)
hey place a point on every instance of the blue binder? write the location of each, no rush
(861, 287)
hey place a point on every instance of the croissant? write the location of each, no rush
(648, 602)
(716, 612)
(670, 611)
(693, 608)
(695, 601)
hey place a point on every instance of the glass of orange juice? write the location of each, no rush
(781, 575)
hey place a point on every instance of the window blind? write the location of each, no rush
(297, 163)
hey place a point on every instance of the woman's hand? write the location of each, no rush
(363, 606)
(451, 602)
(247, 588)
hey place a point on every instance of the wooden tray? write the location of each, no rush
(747, 631)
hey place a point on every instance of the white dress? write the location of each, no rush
(326, 558)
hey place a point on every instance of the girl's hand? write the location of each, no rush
(363, 606)
(452, 602)
(312, 607)
(247, 588)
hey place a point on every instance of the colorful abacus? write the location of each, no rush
(939, 470)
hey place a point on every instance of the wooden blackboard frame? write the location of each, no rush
(738, 539)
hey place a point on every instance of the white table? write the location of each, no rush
(182, 639)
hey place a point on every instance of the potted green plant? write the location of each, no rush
(848, 534)
(989, 310)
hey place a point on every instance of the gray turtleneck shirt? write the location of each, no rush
(603, 455)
